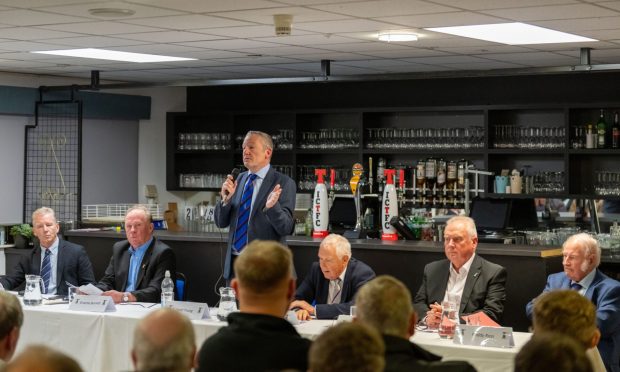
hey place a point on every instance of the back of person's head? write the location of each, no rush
(569, 313)
(347, 347)
(384, 303)
(164, 341)
(11, 320)
(39, 358)
(263, 266)
(552, 351)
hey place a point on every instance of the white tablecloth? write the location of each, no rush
(102, 342)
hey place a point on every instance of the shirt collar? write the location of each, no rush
(466, 266)
(341, 277)
(262, 172)
(587, 280)
(53, 248)
(141, 249)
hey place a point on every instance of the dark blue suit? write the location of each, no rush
(315, 288)
(604, 292)
(271, 224)
(73, 266)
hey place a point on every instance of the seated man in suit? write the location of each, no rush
(582, 255)
(332, 282)
(138, 264)
(479, 284)
(258, 338)
(62, 262)
(384, 303)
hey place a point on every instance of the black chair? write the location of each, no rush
(181, 286)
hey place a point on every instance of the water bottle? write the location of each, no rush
(167, 290)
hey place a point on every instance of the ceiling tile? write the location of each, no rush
(23, 17)
(406, 53)
(445, 60)
(540, 13)
(207, 6)
(346, 25)
(102, 28)
(94, 42)
(499, 4)
(170, 36)
(32, 33)
(81, 10)
(362, 47)
(332, 56)
(247, 32)
(304, 40)
(166, 49)
(27, 46)
(283, 50)
(30, 4)
(258, 60)
(442, 19)
(186, 22)
(373, 9)
(582, 24)
(229, 44)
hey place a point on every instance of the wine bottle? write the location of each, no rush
(615, 133)
(601, 130)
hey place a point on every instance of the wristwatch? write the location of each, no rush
(126, 297)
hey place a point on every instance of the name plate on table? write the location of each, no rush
(96, 304)
(484, 336)
(192, 310)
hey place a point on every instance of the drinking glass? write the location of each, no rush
(228, 303)
(449, 319)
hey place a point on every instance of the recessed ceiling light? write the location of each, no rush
(113, 55)
(397, 36)
(111, 12)
(512, 34)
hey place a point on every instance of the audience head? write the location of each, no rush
(581, 255)
(550, 351)
(138, 225)
(257, 150)
(39, 358)
(460, 240)
(11, 320)
(334, 255)
(568, 313)
(384, 303)
(347, 347)
(263, 277)
(44, 226)
(164, 341)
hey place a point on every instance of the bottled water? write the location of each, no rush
(167, 290)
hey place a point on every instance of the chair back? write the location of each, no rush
(181, 284)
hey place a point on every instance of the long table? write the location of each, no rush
(101, 342)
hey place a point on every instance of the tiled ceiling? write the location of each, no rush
(235, 39)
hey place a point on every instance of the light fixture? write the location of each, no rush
(516, 33)
(111, 12)
(113, 55)
(397, 36)
(283, 24)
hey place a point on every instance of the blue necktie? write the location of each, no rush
(46, 269)
(243, 215)
(576, 287)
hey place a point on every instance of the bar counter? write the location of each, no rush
(200, 257)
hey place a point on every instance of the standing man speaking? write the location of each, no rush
(259, 204)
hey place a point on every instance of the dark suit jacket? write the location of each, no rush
(604, 292)
(271, 224)
(73, 266)
(158, 258)
(315, 288)
(485, 288)
(402, 355)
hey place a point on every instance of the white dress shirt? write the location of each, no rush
(456, 282)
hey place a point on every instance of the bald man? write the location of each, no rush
(164, 341)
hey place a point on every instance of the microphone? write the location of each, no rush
(234, 173)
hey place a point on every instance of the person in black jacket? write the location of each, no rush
(332, 282)
(384, 304)
(67, 262)
(138, 264)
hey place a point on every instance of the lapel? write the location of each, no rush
(123, 266)
(470, 282)
(145, 263)
(590, 291)
(346, 288)
(442, 282)
(36, 260)
(59, 265)
(323, 290)
(263, 192)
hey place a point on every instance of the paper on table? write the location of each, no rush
(90, 289)
(479, 318)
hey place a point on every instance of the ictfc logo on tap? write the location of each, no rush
(386, 202)
(317, 206)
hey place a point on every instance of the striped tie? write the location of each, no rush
(243, 216)
(46, 269)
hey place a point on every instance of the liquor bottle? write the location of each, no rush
(451, 174)
(420, 173)
(431, 174)
(441, 174)
(615, 133)
(601, 131)
(590, 137)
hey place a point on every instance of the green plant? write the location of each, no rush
(24, 230)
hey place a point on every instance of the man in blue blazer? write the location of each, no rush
(332, 282)
(259, 205)
(68, 262)
(582, 255)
